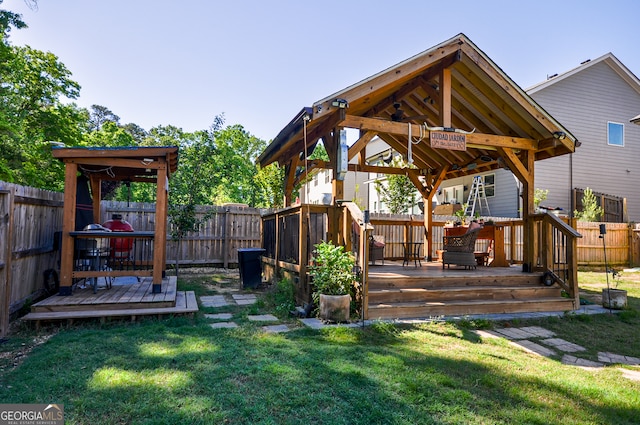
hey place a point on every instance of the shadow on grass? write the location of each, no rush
(178, 371)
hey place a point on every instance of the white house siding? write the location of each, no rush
(584, 102)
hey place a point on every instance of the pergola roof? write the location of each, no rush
(453, 86)
(121, 163)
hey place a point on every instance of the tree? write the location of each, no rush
(233, 166)
(269, 183)
(591, 211)
(100, 115)
(398, 194)
(31, 112)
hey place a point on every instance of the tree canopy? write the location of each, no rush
(216, 165)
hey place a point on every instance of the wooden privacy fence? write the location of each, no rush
(225, 229)
(29, 218)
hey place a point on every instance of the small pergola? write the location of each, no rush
(152, 165)
(450, 110)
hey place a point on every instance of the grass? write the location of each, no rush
(179, 370)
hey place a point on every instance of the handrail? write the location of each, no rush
(556, 254)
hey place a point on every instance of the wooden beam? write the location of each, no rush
(445, 97)
(397, 75)
(68, 225)
(505, 83)
(515, 165)
(96, 196)
(401, 129)
(160, 236)
(118, 162)
(361, 143)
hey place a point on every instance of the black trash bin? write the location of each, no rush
(250, 266)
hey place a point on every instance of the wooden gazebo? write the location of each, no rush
(450, 111)
(152, 165)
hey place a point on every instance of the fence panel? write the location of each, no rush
(591, 247)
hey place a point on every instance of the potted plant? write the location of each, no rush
(461, 214)
(613, 297)
(333, 277)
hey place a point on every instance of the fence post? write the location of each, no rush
(6, 231)
(226, 251)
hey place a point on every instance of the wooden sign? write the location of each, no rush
(448, 140)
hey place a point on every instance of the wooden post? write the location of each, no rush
(303, 250)
(6, 234)
(225, 239)
(160, 239)
(68, 225)
(96, 196)
(445, 97)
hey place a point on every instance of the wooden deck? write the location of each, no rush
(121, 300)
(429, 290)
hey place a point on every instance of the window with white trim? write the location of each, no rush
(489, 185)
(615, 134)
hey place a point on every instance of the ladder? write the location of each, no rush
(477, 195)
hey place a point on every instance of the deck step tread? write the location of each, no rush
(185, 303)
(468, 302)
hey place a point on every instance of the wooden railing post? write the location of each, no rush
(303, 250)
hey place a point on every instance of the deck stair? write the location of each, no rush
(393, 297)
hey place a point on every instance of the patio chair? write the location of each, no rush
(459, 250)
(376, 248)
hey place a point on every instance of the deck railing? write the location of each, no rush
(555, 252)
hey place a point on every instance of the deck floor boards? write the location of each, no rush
(120, 296)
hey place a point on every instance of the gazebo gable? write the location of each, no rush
(463, 113)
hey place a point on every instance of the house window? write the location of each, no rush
(327, 176)
(615, 134)
(453, 194)
(315, 180)
(489, 185)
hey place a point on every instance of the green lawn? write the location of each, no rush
(180, 371)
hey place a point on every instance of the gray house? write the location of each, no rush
(596, 102)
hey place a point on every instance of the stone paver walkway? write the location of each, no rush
(534, 348)
(263, 318)
(617, 358)
(223, 320)
(546, 346)
(213, 301)
(577, 361)
(244, 299)
(533, 339)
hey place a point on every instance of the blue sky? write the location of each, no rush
(158, 62)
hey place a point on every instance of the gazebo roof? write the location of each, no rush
(452, 87)
(121, 163)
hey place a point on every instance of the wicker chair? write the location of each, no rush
(459, 250)
(376, 248)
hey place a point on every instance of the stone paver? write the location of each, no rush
(487, 334)
(263, 318)
(538, 331)
(534, 348)
(218, 316)
(568, 359)
(213, 301)
(244, 299)
(276, 328)
(617, 358)
(224, 325)
(514, 333)
(562, 345)
(315, 323)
